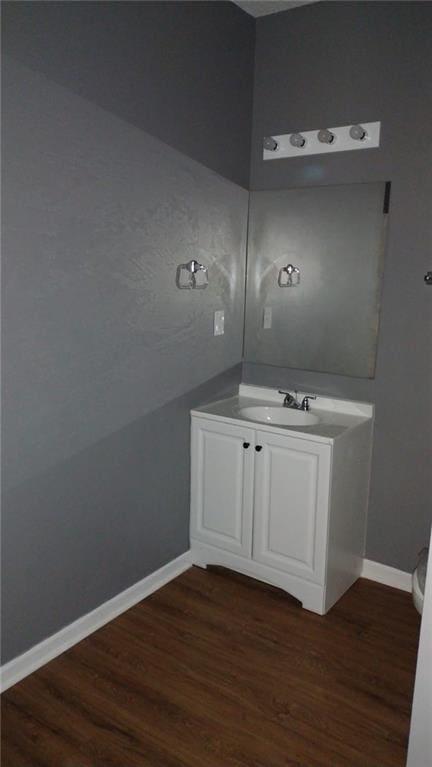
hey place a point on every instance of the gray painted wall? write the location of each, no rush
(80, 532)
(104, 357)
(98, 333)
(181, 71)
(333, 64)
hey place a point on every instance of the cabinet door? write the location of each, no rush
(291, 505)
(222, 485)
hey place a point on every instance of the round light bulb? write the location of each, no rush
(357, 132)
(297, 140)
(270, 144)
(325, 136)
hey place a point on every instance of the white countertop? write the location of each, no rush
(336, 416)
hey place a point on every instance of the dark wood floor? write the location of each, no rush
(216, 670)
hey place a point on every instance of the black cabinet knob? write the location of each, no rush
(258, 448)
(246, 445)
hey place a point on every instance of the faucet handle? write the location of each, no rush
(289, 400)
(305, 401)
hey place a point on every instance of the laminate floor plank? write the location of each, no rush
(218, 670)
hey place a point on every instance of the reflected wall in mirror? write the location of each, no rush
(314, 274)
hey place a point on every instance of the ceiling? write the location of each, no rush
(265, 7)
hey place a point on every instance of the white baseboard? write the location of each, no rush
(389, 576)
(54, 645)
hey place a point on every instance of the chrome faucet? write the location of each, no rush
(305, 402)
(289, 400)
(292, 402)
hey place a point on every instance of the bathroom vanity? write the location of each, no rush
(281, 495)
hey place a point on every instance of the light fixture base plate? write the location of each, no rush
(342, 143)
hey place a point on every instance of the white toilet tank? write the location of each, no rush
(419, 580)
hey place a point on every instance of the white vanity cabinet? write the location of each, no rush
(291, 495)
(268, 503)
(222, 485)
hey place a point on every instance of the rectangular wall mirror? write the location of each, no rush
(314, 274)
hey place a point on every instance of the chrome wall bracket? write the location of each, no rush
(191, 276)
(289, 276)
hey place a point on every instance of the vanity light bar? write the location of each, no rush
(343, 139)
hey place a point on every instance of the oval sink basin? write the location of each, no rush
(279, 416)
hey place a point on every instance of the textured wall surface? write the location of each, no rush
(97, 331)
(182, 71)
(89, 527)
(338, 63)
(104, 356)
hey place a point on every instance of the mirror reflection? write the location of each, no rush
(315, 265)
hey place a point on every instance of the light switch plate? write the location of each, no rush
(267, 317)
(219, 323)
